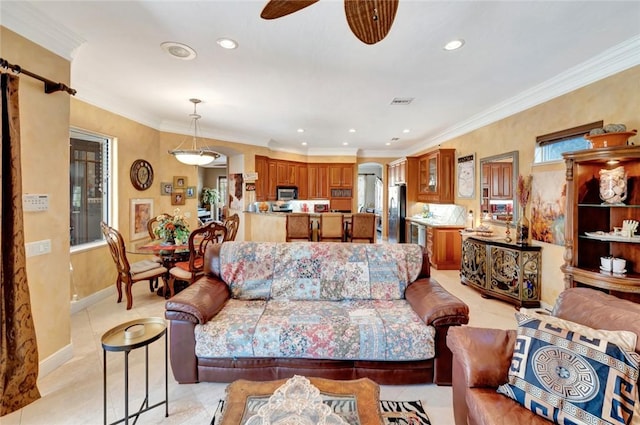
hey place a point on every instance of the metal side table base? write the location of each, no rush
(129, 336)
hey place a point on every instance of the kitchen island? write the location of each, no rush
(271, 226)
(442, 240)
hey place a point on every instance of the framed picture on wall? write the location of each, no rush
(466, 176)
(190, 192)
(141, 213)
(166, 188)
(179, 182)
(178, 198)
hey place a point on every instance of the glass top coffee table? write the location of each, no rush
(302, 401)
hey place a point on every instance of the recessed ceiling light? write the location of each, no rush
(406, 130)
(227, 43)
(345, 143)
(454, 44)
(388, 143)
(352, 130)
(304, 143)
(179, 50)
(301, 130)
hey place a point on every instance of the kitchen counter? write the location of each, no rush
(433, 223)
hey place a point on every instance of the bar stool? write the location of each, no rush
(331, 227)
(298, 227)
(363, 228)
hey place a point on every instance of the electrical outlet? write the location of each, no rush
(38, 248)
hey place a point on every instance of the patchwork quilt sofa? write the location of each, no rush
(266, 311)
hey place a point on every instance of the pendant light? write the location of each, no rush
(195, 155)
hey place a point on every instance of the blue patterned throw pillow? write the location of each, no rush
(571, 378)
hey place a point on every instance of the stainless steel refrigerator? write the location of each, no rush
(397, 212)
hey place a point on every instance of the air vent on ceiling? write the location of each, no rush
(395, 139)
(401, 100)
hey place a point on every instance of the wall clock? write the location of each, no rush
(141, 174)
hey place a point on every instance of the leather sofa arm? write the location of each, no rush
(199, 302)
(483, 354)
(435, 305)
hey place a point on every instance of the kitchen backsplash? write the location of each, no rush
(446, 213)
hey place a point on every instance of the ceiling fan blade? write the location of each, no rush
(370, 20)
(279, 8)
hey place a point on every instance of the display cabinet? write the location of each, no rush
(436, 176)
(502, 270)
(590, 221)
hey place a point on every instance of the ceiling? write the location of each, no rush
(308, 71)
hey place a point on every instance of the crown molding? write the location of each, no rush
(26, 20)
(612, 61)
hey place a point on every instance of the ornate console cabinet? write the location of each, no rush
(502, 270)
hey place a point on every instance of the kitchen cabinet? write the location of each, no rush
(398, 172)
(318, 179)
(442, 242)
(436, 177)
(285, 173)
(502, 270)
(262, 183)
(272, 165)
(341, 175)
(302, 181)
(589, 221)
(444, 245)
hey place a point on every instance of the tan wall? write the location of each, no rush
(613, 100)
(44, 127)
(45, 124)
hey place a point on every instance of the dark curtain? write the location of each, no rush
(18, 348)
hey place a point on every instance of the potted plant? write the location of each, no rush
(211, 197)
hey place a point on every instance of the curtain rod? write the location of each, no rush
(49, 86)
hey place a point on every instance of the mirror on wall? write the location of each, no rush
(498, 180)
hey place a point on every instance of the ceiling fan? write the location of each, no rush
(369, 20)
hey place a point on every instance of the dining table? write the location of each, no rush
(168, 253)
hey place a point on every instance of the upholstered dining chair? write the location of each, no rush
(232, 223)
(362, 228)
(331, 227)
(199, 239)
(129, 273)
(298, 227)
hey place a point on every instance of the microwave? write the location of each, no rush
(286, 193)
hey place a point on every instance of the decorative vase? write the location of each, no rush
(523, 229)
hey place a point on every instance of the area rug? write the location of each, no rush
(393, 412)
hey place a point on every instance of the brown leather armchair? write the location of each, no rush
(481, 357)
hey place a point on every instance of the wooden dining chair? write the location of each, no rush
(232, 223)
(298, 227)
(363, 228)
(151, 228)
(129, 273)
(199, 239)
(331, 227)
(153, 223)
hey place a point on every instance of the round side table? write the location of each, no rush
(129, 336)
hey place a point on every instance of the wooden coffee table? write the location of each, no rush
(244, 395)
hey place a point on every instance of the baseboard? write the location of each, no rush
(55, 360)
(546, 306)
(92, 299)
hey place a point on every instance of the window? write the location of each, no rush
(89, 186)
(550, 147)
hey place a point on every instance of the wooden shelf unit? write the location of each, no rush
(586, 213)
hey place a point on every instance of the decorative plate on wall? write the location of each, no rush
(141, 174)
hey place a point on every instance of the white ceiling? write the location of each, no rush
(307, 70)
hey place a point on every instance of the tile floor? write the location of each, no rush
(73, 393)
